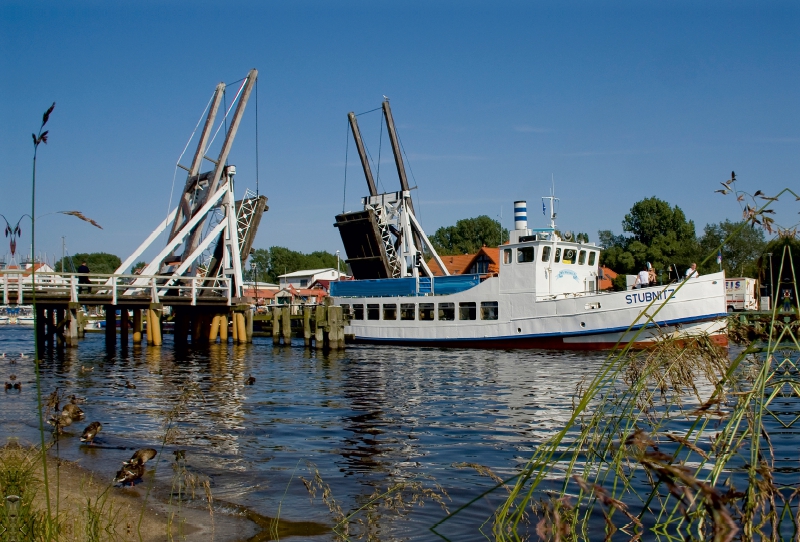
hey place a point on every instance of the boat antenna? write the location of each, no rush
(553, 199)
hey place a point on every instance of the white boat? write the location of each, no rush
(4, 320)
(544, 296)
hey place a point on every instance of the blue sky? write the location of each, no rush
(617, 101)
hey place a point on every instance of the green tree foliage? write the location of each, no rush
(138, 266)
(270, 264)
(660, 234)
(739, 254)
(468, 236)
(98, 262)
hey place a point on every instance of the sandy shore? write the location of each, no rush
(128, 513)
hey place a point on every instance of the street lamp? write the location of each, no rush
(338, 267)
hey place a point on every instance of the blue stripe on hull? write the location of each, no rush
(536, 340)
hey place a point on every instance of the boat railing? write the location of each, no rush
(83, 287)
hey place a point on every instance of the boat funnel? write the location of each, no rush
(520, 215)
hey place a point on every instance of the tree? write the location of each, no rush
(739, 254)
(660, 234)
(98, 262)
(468, 236)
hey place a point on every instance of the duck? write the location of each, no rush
(130, 385)
(140, 457)
(8, 386)
(17, 386)
(73, 411)
(85, 369)
(60, 422)
(250, 381)
(129, 473)
(90, 432)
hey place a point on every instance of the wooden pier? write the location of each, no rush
(201, 310)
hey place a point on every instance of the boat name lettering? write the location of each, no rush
(567, 272)
(647, 297)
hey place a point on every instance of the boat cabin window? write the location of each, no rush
(545, 254)
(582, 257)
(358, 311)
(373, 312)
(506, 255)
(390, 312)
(557, 257)
(426, 311)
(466, 311)
(407, 311)
(489, 310)
(447, 311)
(591, 257)
(569, 255)
(346, 309)
(524, 254)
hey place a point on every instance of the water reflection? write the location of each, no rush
(366, 417)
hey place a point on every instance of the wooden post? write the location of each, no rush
(123, 327)
(319, 328)
(60, 326)
(49, 327)
(276, 325)
(154, 326)
(182, 327)
(307, 325)
(336, 330)
(234, 328)
(214, 333)
(71, 328)
(248, 325)
(286, 325)
(242, 327)
(137, 326)
(223, 328)
(40, 327)
(111, 326)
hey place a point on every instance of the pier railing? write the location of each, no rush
(97, 288)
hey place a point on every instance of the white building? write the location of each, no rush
(304, 278)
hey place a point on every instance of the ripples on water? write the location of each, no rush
(367, 417)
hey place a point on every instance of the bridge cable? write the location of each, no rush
(256, 138)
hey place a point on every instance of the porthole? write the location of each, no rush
(583, 324)
(519, 330)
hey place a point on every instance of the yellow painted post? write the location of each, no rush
(234, 328)
(248, 324)
(212, 335)
(223, 328)
(242, 331)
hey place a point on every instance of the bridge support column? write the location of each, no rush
(73, 324)
(61, 325)
(40, 328)
(223, 328)
(111, 326)
(137, 326)
(286, 325)
(214, 332)
(154, 324)
(248, 325)
(49, 326)
(319, 328)
(180, 332)
(276, 325)
(123, 327)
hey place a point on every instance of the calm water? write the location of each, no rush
(367, 417)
